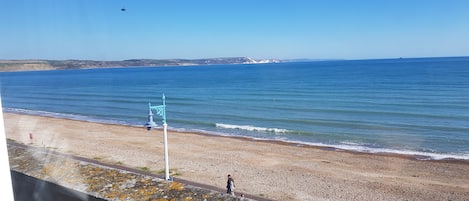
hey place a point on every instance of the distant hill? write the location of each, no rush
(35, 65)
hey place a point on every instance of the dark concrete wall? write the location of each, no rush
(26, 188)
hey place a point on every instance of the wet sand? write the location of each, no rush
(275, 170)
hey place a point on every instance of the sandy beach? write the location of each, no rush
(274, 170)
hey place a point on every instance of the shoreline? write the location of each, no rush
(416, 155)
(327, 148)
(271, 169)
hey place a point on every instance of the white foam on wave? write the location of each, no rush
(349, 146)
(251, 128)
(357, 147)
(418, 154)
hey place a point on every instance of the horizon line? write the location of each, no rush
(306, 59)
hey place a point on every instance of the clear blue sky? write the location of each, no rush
(284, 29)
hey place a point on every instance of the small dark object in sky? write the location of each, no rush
(122, 9)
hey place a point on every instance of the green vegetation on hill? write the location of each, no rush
(34, 65)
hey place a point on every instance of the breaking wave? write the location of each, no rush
(251, 128)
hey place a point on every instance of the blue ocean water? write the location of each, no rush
(410, 106)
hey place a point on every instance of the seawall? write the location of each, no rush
(42, 174)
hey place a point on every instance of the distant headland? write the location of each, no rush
(36, 65)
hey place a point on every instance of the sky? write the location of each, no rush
(260, 29)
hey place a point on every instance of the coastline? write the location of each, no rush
(268, 168)
(11, 65)
(353, 149)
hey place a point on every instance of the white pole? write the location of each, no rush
(5, 184)
(166, 159)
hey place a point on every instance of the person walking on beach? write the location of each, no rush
(230, 186)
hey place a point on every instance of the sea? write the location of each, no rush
(412, 106)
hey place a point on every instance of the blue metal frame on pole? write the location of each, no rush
(160, 109)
